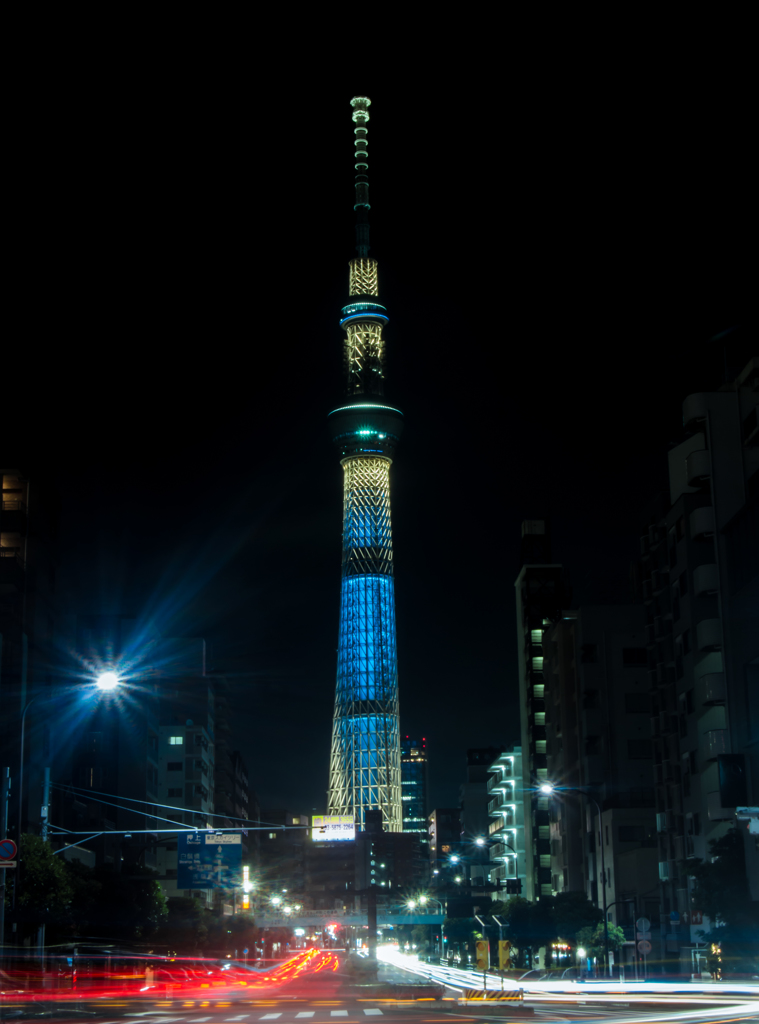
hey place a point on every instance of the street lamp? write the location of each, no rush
(107, 681)
(548, 788)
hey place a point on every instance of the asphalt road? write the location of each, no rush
(362, 1012)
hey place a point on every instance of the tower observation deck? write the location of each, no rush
(365, 762)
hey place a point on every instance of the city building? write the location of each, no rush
(474, 818)
(185, 781)
(444, 834)
(541, 593)
(506, 808)
(700, 581)
(414, 783)
(283, 841)
(365, 763)
(29, 518)
(600, 759)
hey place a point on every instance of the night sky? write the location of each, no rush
(554, 274)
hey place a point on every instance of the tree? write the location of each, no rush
(573, 911)
(722, 892)
(45, 891)
(592, 940)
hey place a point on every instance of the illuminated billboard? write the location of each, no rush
(326, 827)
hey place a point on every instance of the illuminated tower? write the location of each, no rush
(365, 764)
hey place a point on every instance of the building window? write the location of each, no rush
(272, 835)
(175, 791)
(174, 766)
(591, 699)
(176, 741)
(689, 701)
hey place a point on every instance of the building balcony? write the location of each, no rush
(501, 803)
(659, 580)
(709, 635)
(695, 407)
(702, 522)
(698, 468)
(498, 783)
(706, 579)
(713, 688)
(715, 743)
(715, 810)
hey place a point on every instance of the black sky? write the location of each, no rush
(555, 259)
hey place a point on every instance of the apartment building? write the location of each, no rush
(600, 759)
(700, 579)
(541, 592)
(506, 808)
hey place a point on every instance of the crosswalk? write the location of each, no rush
(316, 1016)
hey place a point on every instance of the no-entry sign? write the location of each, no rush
(8, 849)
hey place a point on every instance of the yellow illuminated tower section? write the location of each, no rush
(365, 763)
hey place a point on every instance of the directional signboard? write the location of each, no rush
(209, 861)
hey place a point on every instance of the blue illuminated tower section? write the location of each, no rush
(365, 764)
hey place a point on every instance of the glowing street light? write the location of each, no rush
(107, 681)
(479, 841)
(412, 903)
(276, 900)
(547, 788)
(455, 858)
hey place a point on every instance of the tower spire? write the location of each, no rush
(361, 106)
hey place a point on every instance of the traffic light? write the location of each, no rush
(513, 886)
(483, 955)
(504, 954)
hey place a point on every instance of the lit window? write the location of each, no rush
(176, 741)
(272, 835)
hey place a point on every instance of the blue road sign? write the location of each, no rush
(208, 861)
(8, 849)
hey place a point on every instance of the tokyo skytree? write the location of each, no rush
(365, 762)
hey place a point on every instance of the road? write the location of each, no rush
(313, 987)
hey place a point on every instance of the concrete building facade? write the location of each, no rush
(700, 581)
(506, 808)
(541, 593)
(599, 756)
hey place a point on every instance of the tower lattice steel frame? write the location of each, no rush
(365, 763)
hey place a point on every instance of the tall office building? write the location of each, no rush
(541, 594)
(700, 555)
(414, 776)
(365, 763)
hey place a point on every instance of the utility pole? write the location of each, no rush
(44, 816)
(5, 793)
